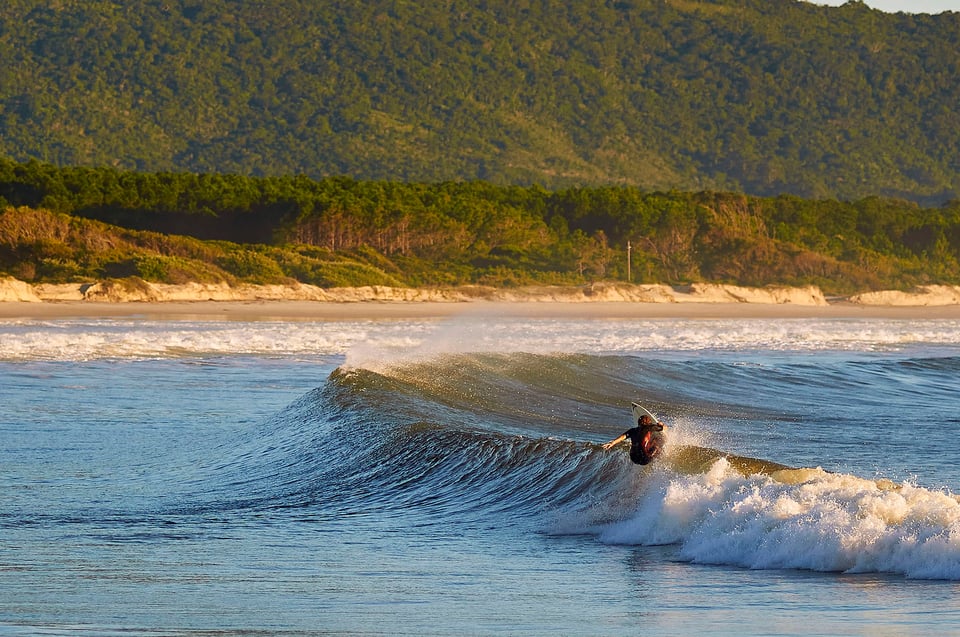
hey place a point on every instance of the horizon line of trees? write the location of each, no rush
(463, 231)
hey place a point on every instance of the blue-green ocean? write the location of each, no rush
(444, 477)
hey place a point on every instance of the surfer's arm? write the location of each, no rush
(616, 441)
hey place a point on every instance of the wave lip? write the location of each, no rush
(797, 519)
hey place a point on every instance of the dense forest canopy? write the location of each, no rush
(765, 97)
(177, 227)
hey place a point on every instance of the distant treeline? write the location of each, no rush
(757, 96)
(464, 232)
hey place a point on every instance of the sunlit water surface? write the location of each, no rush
(421, 477)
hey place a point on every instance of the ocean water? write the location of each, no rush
(444, 477)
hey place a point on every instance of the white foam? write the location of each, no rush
(364, 342)
(473, 334)
(806, 519)
(111, 339)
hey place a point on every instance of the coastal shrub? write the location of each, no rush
(368, 255)
(176, 270)
(59, 270)
(22, 270)
(422, 273)
(120, 269)
(344, 274)
(153, 267)
(502, 277)
(251, 266)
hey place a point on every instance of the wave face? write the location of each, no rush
(511, 439)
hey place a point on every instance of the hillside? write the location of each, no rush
(758, 96)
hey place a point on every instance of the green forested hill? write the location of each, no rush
(760, 96)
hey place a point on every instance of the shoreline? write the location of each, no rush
(307, 311)
(134, 298)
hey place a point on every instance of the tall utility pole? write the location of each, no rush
(629, 275)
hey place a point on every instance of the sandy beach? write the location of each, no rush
(19, 300)
(331, 311)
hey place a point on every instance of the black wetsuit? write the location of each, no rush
(646, 442)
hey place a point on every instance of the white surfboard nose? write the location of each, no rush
(639, 410)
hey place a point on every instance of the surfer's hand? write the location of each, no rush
(614, 442)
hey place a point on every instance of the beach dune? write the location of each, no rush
(130, 297)
(135, 290)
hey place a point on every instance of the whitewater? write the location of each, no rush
(425, 476)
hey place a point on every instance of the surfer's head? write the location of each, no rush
(647, 422)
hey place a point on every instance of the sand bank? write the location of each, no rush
(303, 302)
(135, 290)
(923, 296)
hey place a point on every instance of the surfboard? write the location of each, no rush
(639, 410)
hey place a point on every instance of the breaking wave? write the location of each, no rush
(512, 439)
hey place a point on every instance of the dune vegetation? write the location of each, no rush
(74, 224)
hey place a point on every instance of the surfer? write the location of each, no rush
(647, 440)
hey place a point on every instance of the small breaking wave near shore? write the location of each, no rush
(365, 342)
